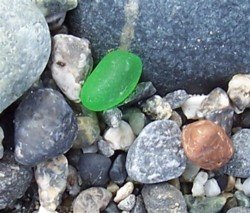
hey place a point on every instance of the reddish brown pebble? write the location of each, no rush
(206, 144)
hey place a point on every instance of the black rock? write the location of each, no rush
(183, 44)
(245, 119)
(139, 206)
(14, 180)
(94, 169)
(163, 197)
(222, 181)
(111, 208)
(118, 173)
(45, 127)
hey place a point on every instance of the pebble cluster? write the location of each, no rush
(139, 152)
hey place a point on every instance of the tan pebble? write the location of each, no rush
(124, 192)
(113, 187)
(207, 144)
(230, 184)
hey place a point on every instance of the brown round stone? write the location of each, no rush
(207, 144)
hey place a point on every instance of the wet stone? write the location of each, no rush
(105, 148)
(93, 199)
(139, 205)
(158, 142)
(157, 108)
(142, 91)
(239, 165)
(51, 177)
(14, 180)
(177, 98)
(71, 62)
(127, 204)
(117, 172)
(45, 127)
(94, 169)
(163, 197)
(112, 117)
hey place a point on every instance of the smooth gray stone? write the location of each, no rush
(25, 48)
(156, 155)
(163, 198)
(239, 210)
(183, 44)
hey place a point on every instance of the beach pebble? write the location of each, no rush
(94, 169)
(139, 206)
(190, 172)
(239, 165)
(238, 184)
(111, 208)
(112, 117)
(127, 204)
(230, 184)
(198, 184)
(105, 148)
(88, 131)
(113, 187)
(157, 108)
(192, 106)
(121, 137)
(239, 91)
(177, 98)
(117, 172)
(163, 197)
(25, 48)
(206, 144)
(93, 148)
(124, 192)
(45, 127)
(51, 7)
(245, 119)
(246, 187)
(51, 177)
(73, 181)
(156, 155)
(142, 91)
(1, 145)
(94, 199)
(14, 180)
(242, 199)
(239, 210)
(71, 62)
(212, 188)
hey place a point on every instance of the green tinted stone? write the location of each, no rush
(112, 81)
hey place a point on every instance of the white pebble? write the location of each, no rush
(124, 192)
(198, 184)
(121, 137)
(238, 184)
(246, 187)
(212, 188)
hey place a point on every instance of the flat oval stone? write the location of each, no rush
(194, 46)
(112, 81)
(25, 48)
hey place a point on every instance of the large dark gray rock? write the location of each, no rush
(183, 43)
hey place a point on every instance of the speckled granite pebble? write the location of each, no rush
(183, 44)
(156, 155)
(239, 165)
(176, 98)
(14, 180)
(25, 48)
(45, 127)
(163, 198)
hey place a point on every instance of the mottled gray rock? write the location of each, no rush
(176, 98)
(1, 145)
(88, 131)
(239, 210)
(239, 92)
(112, 117)
(51, 7)
(190, 172)
(93, 200)
(242, 199)
(239, 165)
(73, 181)
(51, 177)
(105, 148)
(55, 21)
(183, 44)
(14, 180)
(139, 205)
(94, 169)
(163, 198)
(71, 62)
(157, 108)
(128, 203)
(156, 155)
(142, 91)
(117, 172)
(22, 60)
(175, 116)
(45, 127)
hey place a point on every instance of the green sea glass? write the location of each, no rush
(112, 81)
